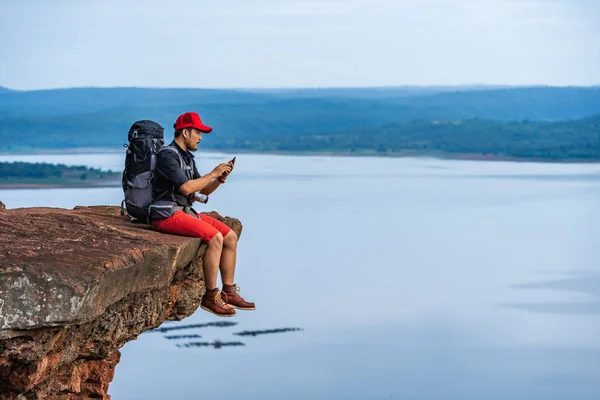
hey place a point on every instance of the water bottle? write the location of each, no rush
(202, 198)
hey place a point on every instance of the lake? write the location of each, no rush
(411, 278)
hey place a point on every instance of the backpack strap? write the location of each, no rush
(182, 165)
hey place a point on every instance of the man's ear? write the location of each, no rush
(184, 132)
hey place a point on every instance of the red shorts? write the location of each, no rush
(184, 224)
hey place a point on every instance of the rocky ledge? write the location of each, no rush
(75, 286)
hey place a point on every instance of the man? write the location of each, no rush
(178, 184)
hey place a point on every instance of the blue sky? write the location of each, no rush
(293, 43)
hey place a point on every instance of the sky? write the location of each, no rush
(296, 43)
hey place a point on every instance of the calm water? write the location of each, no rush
(412, 279)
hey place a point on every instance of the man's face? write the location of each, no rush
(193, 140)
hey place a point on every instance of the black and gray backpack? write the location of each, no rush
(146, 138)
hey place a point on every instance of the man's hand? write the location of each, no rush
(220, 170)
(226, 173)
(232, 163)
(205, 184)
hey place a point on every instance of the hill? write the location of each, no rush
(474, 138)
(503, 121)
(535, 103)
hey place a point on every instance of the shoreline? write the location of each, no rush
(437, 156)
(440, 156)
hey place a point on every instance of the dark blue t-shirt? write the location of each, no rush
(170, 176)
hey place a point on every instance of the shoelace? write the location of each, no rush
(237, 291)
(219, 300)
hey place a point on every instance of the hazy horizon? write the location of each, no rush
(482, 86)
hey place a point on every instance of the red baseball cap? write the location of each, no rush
(191, 120)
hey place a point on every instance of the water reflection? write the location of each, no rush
(220, 324)
(267, 331)
(217, 344)
(586, 283)
(583, 282)
(173, 337)
(171, 326)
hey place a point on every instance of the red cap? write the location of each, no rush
(191, 120)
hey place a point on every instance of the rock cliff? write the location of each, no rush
(75, 286)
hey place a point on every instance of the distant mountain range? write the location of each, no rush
(539, 103)
(382, 120)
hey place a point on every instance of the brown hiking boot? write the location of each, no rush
(234, 299)
(213, 303)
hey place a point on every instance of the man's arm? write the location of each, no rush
(215, 183)
(197, 185)
(211, 187)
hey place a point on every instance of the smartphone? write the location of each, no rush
(231, 162)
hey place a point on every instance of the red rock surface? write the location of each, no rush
(75, 286)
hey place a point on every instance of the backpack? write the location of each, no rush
(145, 141)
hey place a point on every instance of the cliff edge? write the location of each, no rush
(76, 285)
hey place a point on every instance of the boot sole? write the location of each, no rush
(240, 308)
(219, 315)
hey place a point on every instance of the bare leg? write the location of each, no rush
(228, 257)
(211, 261)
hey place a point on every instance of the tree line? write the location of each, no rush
(24, 170)
(525, 139)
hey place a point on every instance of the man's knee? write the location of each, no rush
(216, 241)
(230, 239)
